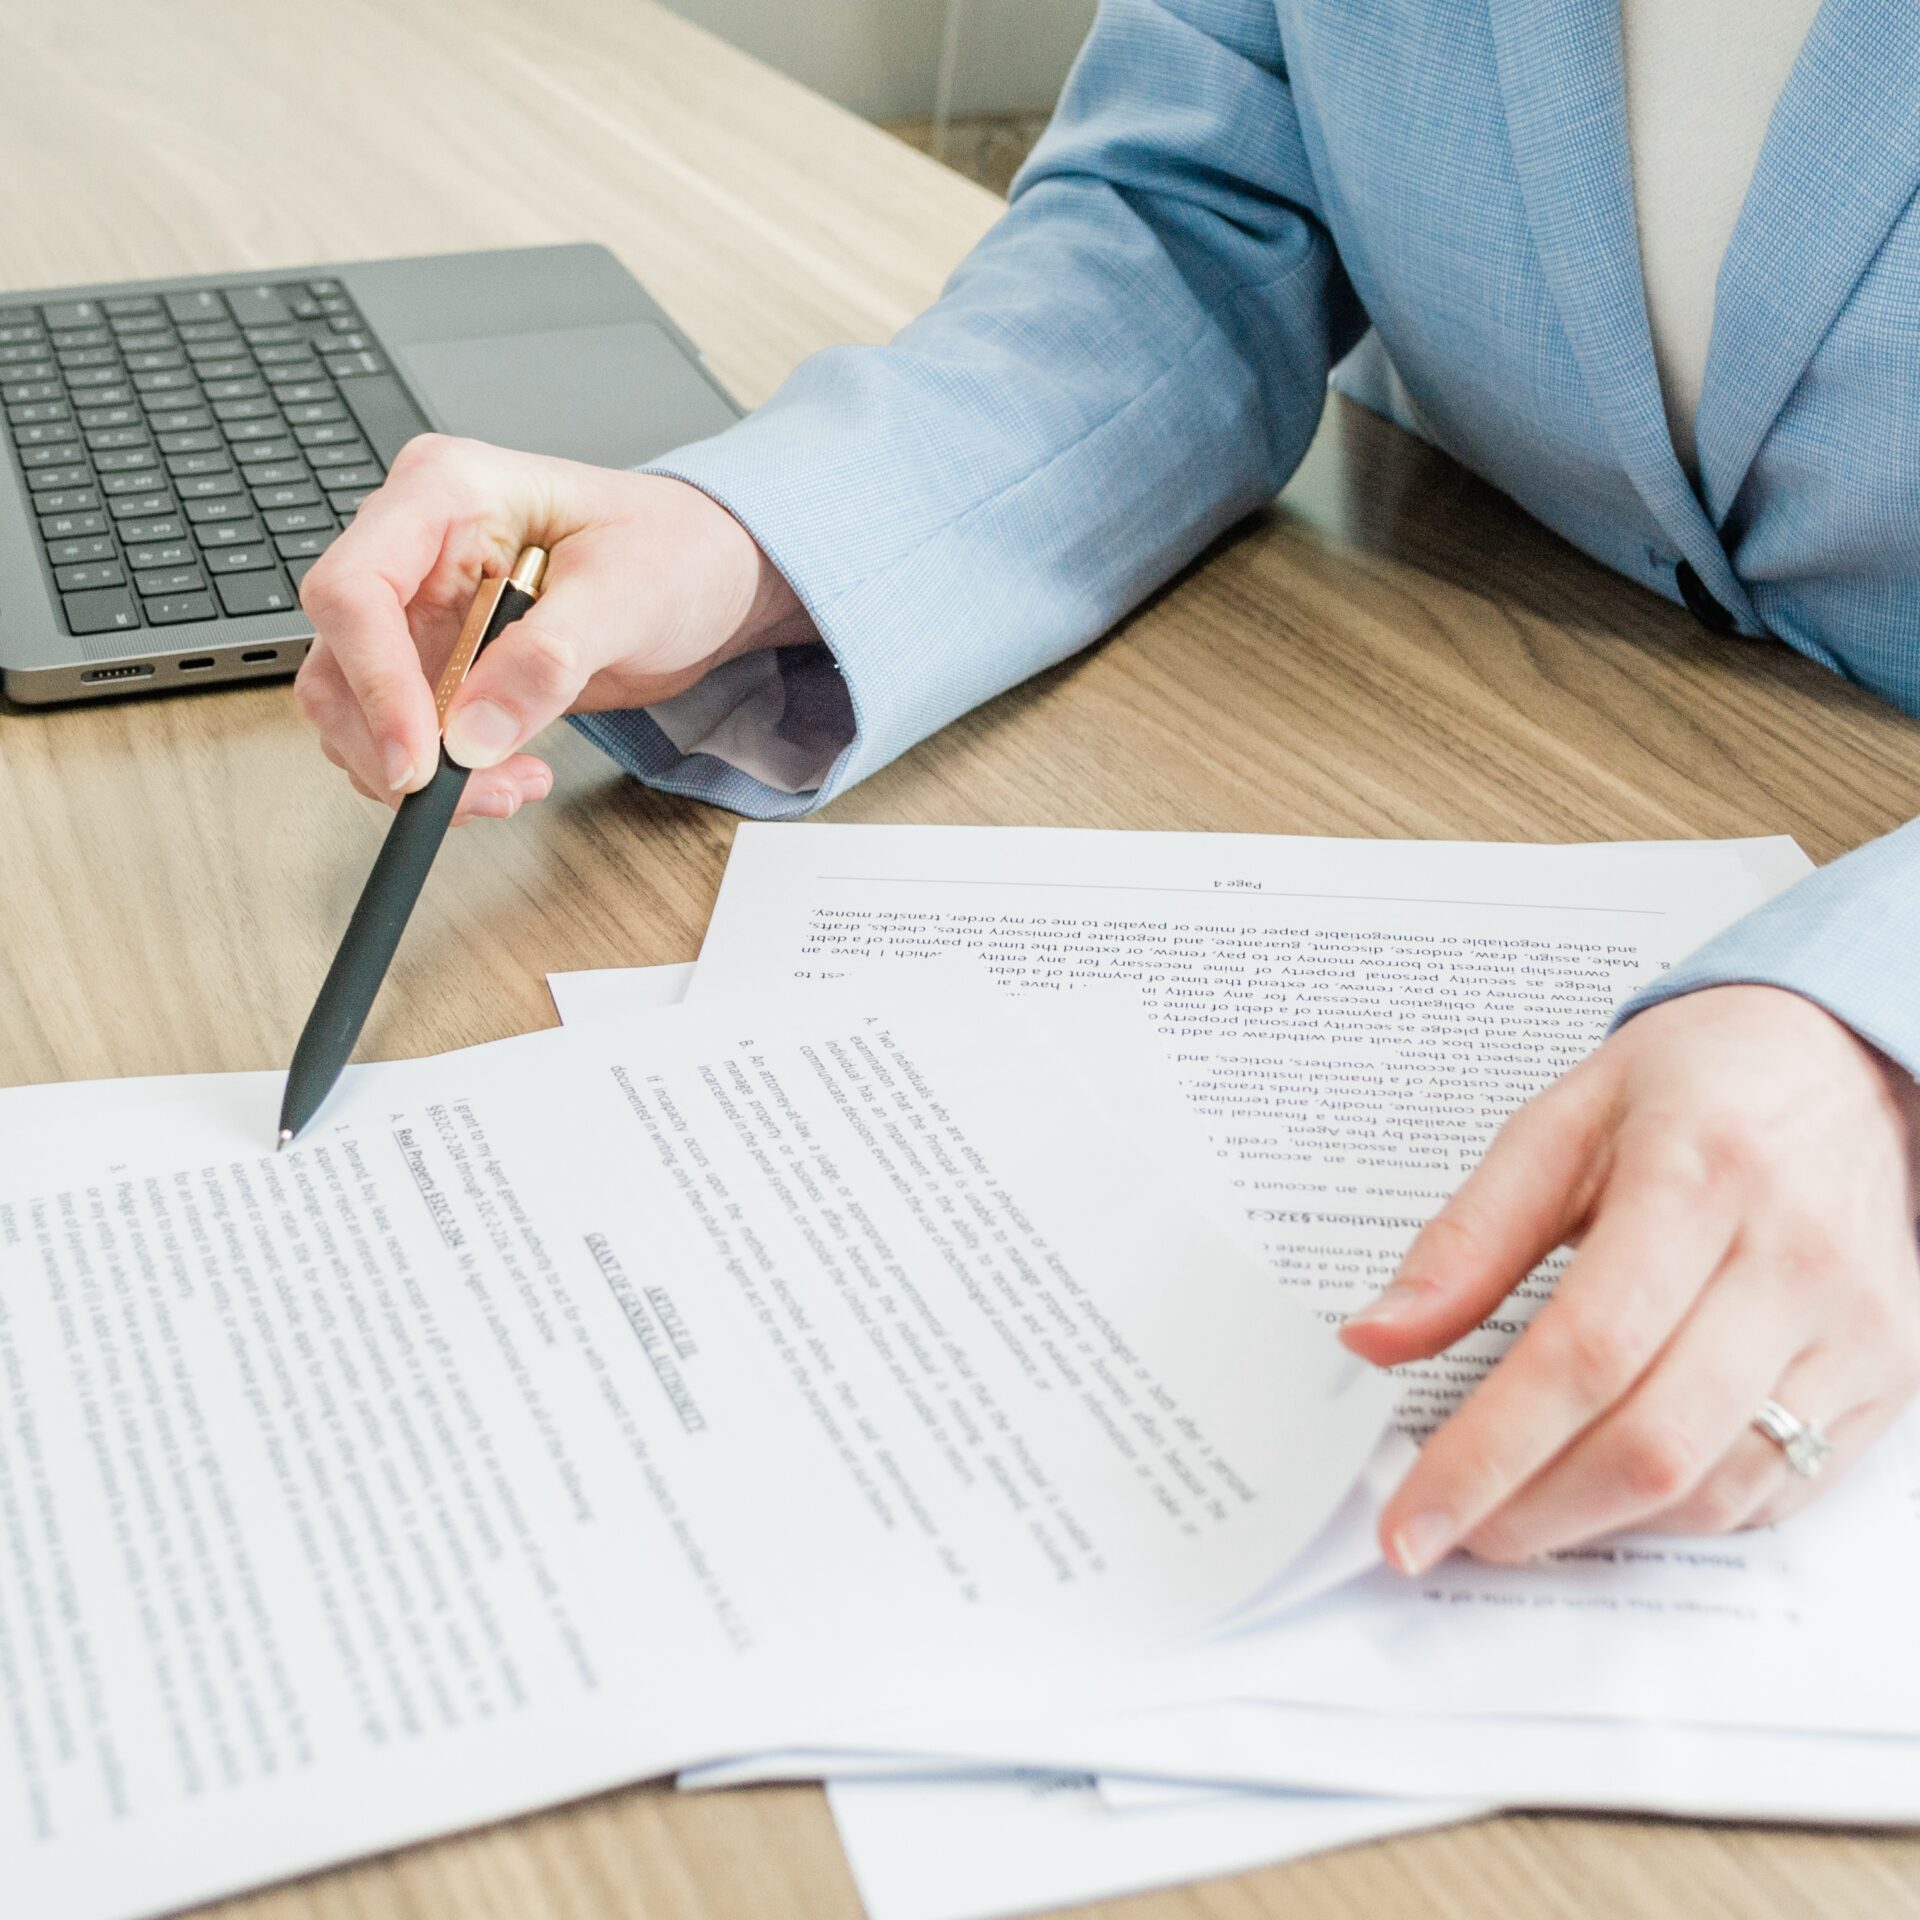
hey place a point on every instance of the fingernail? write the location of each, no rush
(1421, 1542)
(481, 734)
(494, 806)
(399, 767)
(1395, 1303)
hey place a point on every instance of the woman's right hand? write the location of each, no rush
(650, 584)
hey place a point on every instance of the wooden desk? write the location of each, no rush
(1392, 650)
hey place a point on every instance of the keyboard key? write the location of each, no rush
(297, 546)
(228, 533)
(276, 473)
(233, 506)
(296, 519)
(119, 394)
(282, 353)
(140, 507)
(193, 309)
(301, 493)
(86, 359)
(277, 336)
(22, 353)
(295, 373)
(325, 290)
(365, 475)
(347, 503)
(127, 460)
(131, 303)
(89, 573)
(256, 306)
(161, 553)
(61, 453)
(297, 393)
(87, 378)
(312, 412)
(72, 313)
(280, 447)
(334, 301)
(33, 415)
(142, 326)
(299, 569)
(179, 419)
(69, 339)
(153, 359)
(67, 500)
(209, 486)
(169, 580)
(58, 477)
(103, 611)
(116, 439)
(219, 359)
(163, 380)
(91, 417)
(16, 390)
(351, 366)
(69, 526)
(257, 409)
(349, 341)
(352, 454)
(142, 534)
(222, 560)
(181, 465)
(327, 433)
(256, 593)
(18, 334)
(239, 432)
(304, 308)
(67, 553)
(56, 434)
(175, 609)
(231, 390)
(204, 441)
(148, 479)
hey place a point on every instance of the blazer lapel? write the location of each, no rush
(1840, 162)
(1562, 80)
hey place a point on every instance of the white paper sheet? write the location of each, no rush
(597, 992)
(1352, 1020)
(976, 1850)
(561, 1412)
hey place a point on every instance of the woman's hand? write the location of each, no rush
(649, 586)
(1737, 1173)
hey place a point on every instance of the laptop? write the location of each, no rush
(178, 453)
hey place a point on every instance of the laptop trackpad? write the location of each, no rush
(615, 395)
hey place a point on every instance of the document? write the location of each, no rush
(1351, 1021)
(573, 1409)
(968, 1849)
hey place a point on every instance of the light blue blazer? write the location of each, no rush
(1231, 193)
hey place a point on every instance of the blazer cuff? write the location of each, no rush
(1846, 938)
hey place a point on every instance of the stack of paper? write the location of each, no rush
(1350, 1021)
(897, 1350)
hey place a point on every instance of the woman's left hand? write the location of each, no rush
(1736, 1171)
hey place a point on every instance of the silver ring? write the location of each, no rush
(1805, 1446)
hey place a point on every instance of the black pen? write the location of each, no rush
(386, 901)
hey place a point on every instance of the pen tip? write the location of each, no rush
(286, 1134)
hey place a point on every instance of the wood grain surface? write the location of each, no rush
(1391, 650)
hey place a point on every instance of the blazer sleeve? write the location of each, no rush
(1132, 359)
(1846, 937)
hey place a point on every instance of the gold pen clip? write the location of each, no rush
(529, 574)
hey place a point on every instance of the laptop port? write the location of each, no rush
(95, 675)
(254, 655)
(197, 666)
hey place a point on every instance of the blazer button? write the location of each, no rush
(1700, 603)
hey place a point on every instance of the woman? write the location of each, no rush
(1653, 269)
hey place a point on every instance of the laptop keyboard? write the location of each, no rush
(190, 455)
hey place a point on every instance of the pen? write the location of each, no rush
(406, 855)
